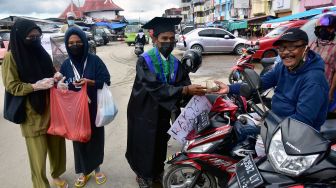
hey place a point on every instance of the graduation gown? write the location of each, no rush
(148, 119)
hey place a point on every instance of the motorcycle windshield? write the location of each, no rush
(301, 139)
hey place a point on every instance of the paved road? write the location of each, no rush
(120, 61)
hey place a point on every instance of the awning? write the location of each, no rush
(271, 25)
(237, 25)
(111, 25)
(308, 13)
(259, 20)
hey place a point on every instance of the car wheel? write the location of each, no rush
(270, 53)
(197, 47)
(239, 49)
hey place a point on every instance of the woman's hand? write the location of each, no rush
(82, 82)
(58, 76)
(223, 88)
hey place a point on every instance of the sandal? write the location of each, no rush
(82, 180)
(100, 178)
(61, 184)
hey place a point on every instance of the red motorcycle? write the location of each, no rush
(245, 62)
(211, 150)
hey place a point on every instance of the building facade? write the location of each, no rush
(209, 7)
(309, 4)
(101, 9)
(173, 13)
(186, 13)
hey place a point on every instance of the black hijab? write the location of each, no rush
(33, 63)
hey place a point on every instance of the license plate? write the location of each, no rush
(173, 156)
(248, 174)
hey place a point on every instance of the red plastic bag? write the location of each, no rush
(69, 111)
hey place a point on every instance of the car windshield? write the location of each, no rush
(106, 30)
(99, 31)
(132, 29)
(5, 36)
(277, 32)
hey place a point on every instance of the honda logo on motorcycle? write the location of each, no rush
(293, 147)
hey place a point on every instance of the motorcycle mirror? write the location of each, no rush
(253, 79)
(245, 90)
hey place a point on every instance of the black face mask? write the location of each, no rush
(324, 34)
(166, 48)
(76, 50)
(35, 43)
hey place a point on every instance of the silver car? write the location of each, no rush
(211, 40)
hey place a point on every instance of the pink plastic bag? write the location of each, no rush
(70, 116)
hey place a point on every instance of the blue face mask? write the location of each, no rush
(71, 22)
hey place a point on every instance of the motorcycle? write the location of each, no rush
(245, 62)
(211, 150)
(138, 49)
(297, 155)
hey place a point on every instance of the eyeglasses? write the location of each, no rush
(75, 44)
(34, 37)
(289, 48)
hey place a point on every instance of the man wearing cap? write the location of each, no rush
(160, 87)
(70, 22)
(301, 89)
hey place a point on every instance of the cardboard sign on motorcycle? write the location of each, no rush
(185, 121)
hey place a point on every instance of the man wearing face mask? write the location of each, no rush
(325, 45)
(70, 22)
(161, 85)
(301, 89)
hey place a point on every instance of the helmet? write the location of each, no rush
(325, 27)
(191, 60)
(327, 20)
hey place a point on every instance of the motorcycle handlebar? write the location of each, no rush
(258, 110)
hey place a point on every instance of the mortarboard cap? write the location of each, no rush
(162, 24)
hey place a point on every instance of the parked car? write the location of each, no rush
(4, 42)
(5, 35)
(266, 48)
(211, 40)
(101, 33)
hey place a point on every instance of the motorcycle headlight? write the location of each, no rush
(201, 148)
(288, 164)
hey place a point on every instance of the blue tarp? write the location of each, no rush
(300, 15)
(111, 25)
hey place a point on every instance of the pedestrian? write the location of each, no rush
(325, 45)
(70, 22)
(140, 37)
(161, 85)
(82, 67)
(27, 70)
(301, 89)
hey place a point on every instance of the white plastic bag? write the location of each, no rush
(106, 110)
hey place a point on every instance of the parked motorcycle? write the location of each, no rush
(245, 62)
(211, 150)
(138, 49)
(296, 154)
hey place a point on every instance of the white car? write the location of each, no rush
(211, 40)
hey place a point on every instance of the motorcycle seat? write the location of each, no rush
(265, 62)
(328, 129)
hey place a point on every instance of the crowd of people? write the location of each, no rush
(304, 81)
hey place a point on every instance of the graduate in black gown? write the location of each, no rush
(160, 86)
(91, 69)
